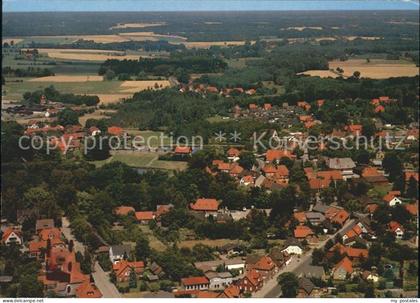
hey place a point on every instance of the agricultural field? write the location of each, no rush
(143, 160)
(68, 78)
(375, 69)
(87, 54)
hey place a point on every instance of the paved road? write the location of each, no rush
(65, 229)
(101, 278)
(271, 289)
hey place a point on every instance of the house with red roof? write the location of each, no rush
(233, 154)
(265, 266)
(232, 291)
(354, 129)
(276, 154)
(115, 131)
(252, 106)
(303, 104)
(183, 150)
(195, 283)
(379, 109)
(300, 217)
(12, 236)
(397, 229)
(123, 268)
(247, 180)
(392, 198)
(251, 282)
(207, 206)
(372, 175)
(408, 174)
(62, 273)
(320, 102)
(354, 254)
(52, 235)
(352, 234)
(267, 106)
(88, 290)
(302, 232)
(144, 217)
(343, 269)
(124, 210)
(412, 208)
(337, 215)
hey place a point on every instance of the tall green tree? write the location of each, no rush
(289, 284)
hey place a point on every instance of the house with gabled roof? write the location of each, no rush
(12, 236)
(342, 269)
(265, 266)
(206, 206)
(397, 229)
(195, 283)
(88, 290)
(123, 268)
(303, 232)
(251, 282)
(144, 217)
(392, 198)
(124, 210)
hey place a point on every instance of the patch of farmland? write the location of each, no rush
(86, 54)
(137, 25)
(375, 69)
(68, 78)
(139, 85)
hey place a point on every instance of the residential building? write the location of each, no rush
(343, 269)
(195, 283)
(12, 236)
(119, 252)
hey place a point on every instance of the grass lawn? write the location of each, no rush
(218, 119)
(153, 138)
(410, 282)
(208, 242)
(154, 242)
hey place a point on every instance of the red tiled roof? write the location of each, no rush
(207, 294)
(277, 154)
(409, 174)
(334, 175)
(49, 233)
(9, 231)
(305, 118)
(121, 266)
(194, 281)
(162, 209)
(370, 172)
(320, 102)
(124, 210)
(252, 106)
(379, 109)
(346, 264)
(144, 215)
(372, 207)
(394, 225)
(356, 252)
(115, 131)
(88, 290)
(267, 106)
(265, 264)
(205, 205)
(233, 152)
(319, 183)
(232, 291)
(253, 277)
(300, 216)
(183, 150)
(412, 208)
(302, 231)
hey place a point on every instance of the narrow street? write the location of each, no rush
(271, 289)
(100, 277)
(66, 230)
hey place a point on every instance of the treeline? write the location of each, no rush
(28, 72)
(164, 66)
(54, 95)
(148, 46)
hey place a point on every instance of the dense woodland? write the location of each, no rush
(52, 94)
(233, 25)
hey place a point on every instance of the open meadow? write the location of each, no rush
(374, 69)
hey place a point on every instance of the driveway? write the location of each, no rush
(271, 289)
